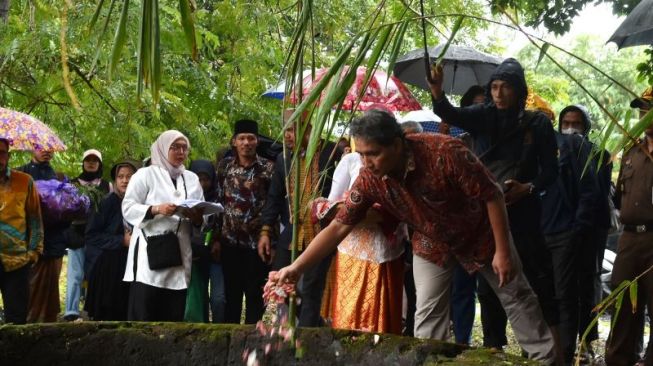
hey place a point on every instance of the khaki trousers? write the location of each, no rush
(433, 285)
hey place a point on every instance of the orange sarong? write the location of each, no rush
(365, 295)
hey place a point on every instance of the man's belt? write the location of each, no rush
(639, 228)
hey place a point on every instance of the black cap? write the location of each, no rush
(246, 126)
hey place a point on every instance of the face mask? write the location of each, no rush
(571, 131)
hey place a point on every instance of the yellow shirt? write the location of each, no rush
(21, 228)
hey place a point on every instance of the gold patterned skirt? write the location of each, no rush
(364, 295)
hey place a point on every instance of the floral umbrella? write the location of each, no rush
(25, 132)
(382, 92)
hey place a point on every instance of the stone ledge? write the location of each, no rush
(131, 343)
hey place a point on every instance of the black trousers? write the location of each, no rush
(310, 288)
(411, 292)
(148, 303)
(538, 269)
(244, 274)
(592, 246)
(14, 287)
(564, 248)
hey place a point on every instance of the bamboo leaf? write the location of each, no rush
(143, 48)
(396, 47)
(624, 142)
(543, 50)
(94, 19)
(454, 30)
(188, 24)
(98, 43)
(379, 49)
(617, 306)
(633, 295)
(319, 87)
(120, 38)
(155, 55)
(602, 305)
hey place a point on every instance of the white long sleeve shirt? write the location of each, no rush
(153, 186)
(366, 241)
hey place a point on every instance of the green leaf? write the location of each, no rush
(188, 24)
(543, 50)
(155, 55)
(319, 87)
(101, 36)
(375, 57)
(633, 295)
(456, 27)
(94, 19)
(396, 47)
(617, 306)
(119, 40)
(144, 46)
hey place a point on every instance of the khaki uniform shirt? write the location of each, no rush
(635, 187)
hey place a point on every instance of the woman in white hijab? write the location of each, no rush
(150, 205)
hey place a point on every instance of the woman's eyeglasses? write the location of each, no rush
(177, 148)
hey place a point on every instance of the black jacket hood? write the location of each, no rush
(511, 71)
(587, 122)
(203, 166)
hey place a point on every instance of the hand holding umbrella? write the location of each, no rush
(435, 79)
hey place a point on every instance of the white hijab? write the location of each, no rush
(160, 149)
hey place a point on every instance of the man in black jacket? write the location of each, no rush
(277, 207)
(574, 119)
(521, 154)
(569, 207)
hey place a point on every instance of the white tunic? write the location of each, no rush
(153, 186)
(367, 241)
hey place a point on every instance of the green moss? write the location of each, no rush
(130, 342)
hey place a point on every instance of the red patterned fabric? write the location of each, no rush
(390, 94)
(442, 199)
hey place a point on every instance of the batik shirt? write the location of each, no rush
(442, 198)
(21, 230)
(242, 192)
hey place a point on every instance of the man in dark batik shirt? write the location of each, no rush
(243, 182)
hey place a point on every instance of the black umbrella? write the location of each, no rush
(637, 29)
(463, 67)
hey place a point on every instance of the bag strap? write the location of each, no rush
(179, 223)
(185, 190)
(176, 231)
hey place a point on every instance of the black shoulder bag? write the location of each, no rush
(163, 250)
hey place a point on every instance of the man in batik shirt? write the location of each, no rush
(243, 182)
(457, 212)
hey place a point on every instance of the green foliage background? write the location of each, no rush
(242, 47)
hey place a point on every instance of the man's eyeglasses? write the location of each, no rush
(177, 147)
